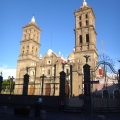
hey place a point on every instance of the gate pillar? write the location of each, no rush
(25, 84)
(87, 89)
(119, 73)
(1, 80)
(62, 84)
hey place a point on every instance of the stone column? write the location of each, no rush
(1, 80)
(87, 90)
(25, 84)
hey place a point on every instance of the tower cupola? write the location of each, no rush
(84, 3)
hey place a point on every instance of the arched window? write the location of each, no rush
(116, 94)
(86, 22)
(87, 38)
(80, 17)
(80, 39)
(80, 24)
(105, 94)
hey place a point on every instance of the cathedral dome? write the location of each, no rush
(49, 52)
(71, 56)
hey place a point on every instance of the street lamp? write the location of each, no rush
(1, 73)
(119, 75)
(11, 83)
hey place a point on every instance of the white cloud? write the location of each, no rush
(9, 72)
(6, 71)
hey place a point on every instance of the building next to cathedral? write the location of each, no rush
(51, 64)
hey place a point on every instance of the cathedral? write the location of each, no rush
(51, 64)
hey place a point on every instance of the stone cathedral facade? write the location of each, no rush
(51, 64)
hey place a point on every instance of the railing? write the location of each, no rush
(33, 89)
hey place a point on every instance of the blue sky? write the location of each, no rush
(56, 20)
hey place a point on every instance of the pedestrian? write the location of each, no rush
(38, 107)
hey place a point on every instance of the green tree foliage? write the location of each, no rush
(5, 84)
(8, 84)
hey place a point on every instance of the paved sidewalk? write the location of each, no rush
(53, 116)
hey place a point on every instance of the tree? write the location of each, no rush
(8, 85)
(5, 84)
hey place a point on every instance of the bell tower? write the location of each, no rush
(30, 43)
(85, 44)
(85, 34)
(29, 50)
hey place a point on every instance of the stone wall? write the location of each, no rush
(21, 100)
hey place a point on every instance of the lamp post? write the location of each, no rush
(11, 83)
(1, 73)
(1, 80)
(119, 75)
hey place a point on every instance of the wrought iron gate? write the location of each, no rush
(107, 92)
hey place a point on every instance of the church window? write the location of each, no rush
(49, 62)
(87, 38)
(80, 24)
(86, 22)
(67, 71)
(23, 52)
(86, 15)
(79, 17)
(80, 39)
(48, 72)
